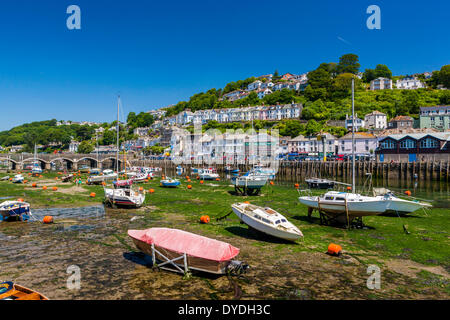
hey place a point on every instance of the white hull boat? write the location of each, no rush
(339, 203)
(266, 220)
(103, 178)
(251, 182)
(398, 205)
(125, 197)
(18, 179)
(208, 174)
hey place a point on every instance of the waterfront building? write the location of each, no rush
(415, 147)
(313, 145)
(381, 84)
(365, 144)
(437, 117)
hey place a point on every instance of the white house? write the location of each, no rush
(381, 84)
(349, 123)
(73, 146)
(313, 145)
(375, 120)
(365, 144)
(409, 83)
(263, 92)
(254, 85)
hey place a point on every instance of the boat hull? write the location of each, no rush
(274, 232)
(17, 292)
(404, 206)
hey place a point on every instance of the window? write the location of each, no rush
(388, 144)
(428, 143)
(408, 144)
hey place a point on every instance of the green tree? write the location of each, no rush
(444, 99)
(85, 147)
(444, 76)
(348, 63)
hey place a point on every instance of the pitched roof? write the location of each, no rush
(359, 135)
(402, 118)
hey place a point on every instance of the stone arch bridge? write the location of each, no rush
(72, 160)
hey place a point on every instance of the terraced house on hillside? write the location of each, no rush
(437, 117)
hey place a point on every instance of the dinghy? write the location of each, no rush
(5, 178)
(14, 210)
(12, 291)
(170, 183)
(18, 178)
(316, 183)
(184, 251)
(266, 220)
(67, 178)
(208, 174)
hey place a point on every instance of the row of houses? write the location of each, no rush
(264, 86)
(271, 113)
(407, 83)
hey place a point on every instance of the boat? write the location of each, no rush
(316, 183)
(184, 251)
(344, 207)
(36, 168)
(123, 195)
(12, 291)
(339, 204)
(84, 169)
(14, 210)
(6, 178)
(399, 205)
(180, 170)
(263, 171)
(170, 183)
(250, 180)
(266, 220)
(140, 177)
(95, 171)
(18, 178)
(67, 178)
(208, 174)
(107, 175)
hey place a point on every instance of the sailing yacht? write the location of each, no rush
(123, 194)
(36, 167)
(345, 206)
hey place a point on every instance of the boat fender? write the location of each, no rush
(48, 220)
(205, 219)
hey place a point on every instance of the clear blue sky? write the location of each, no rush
(155, 54)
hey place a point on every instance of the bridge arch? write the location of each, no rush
(11, 163)
(28, 161)
(66, 163)
(110, 163)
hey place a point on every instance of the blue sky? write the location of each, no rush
(155, 54)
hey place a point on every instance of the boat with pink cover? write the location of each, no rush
(185, 251)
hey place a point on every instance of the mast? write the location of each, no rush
(353, 136)
(117, 129)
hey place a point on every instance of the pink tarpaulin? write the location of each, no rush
(185, 242)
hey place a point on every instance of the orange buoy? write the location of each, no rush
(44, 188)
(198, 177)
(247, 202)
(56, 178)
(103, 183)
(297, 186)
(188, 180)
(218, 179)
(48, 220)
(34, 185)
(205, 219)
(41, 176)
(408, 193)
(187, 177)
(189, 187)
(349, 188)
(25, 181)
(202, 182)
(20, 200)
(55, 188)
(151, 190)
(334, 249)
(29, 174)
(10, 179)
(92, 195)
(141, 189)
(271, 183)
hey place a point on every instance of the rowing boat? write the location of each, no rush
(12, 291)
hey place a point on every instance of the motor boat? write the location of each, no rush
(107, 175)
(266, 220)
(123, 195)
(95, 171)
(14, 210)
(208, 174)
(250, 180)
(316, 183)
(338, 204)
(260, 170)
(18, 178)
(140, 177)
(36, 169)
(170, 183)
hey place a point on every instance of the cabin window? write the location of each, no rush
(329, 198)
(340, 199)
(267, 221)
(283, 220)
(277, 222)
